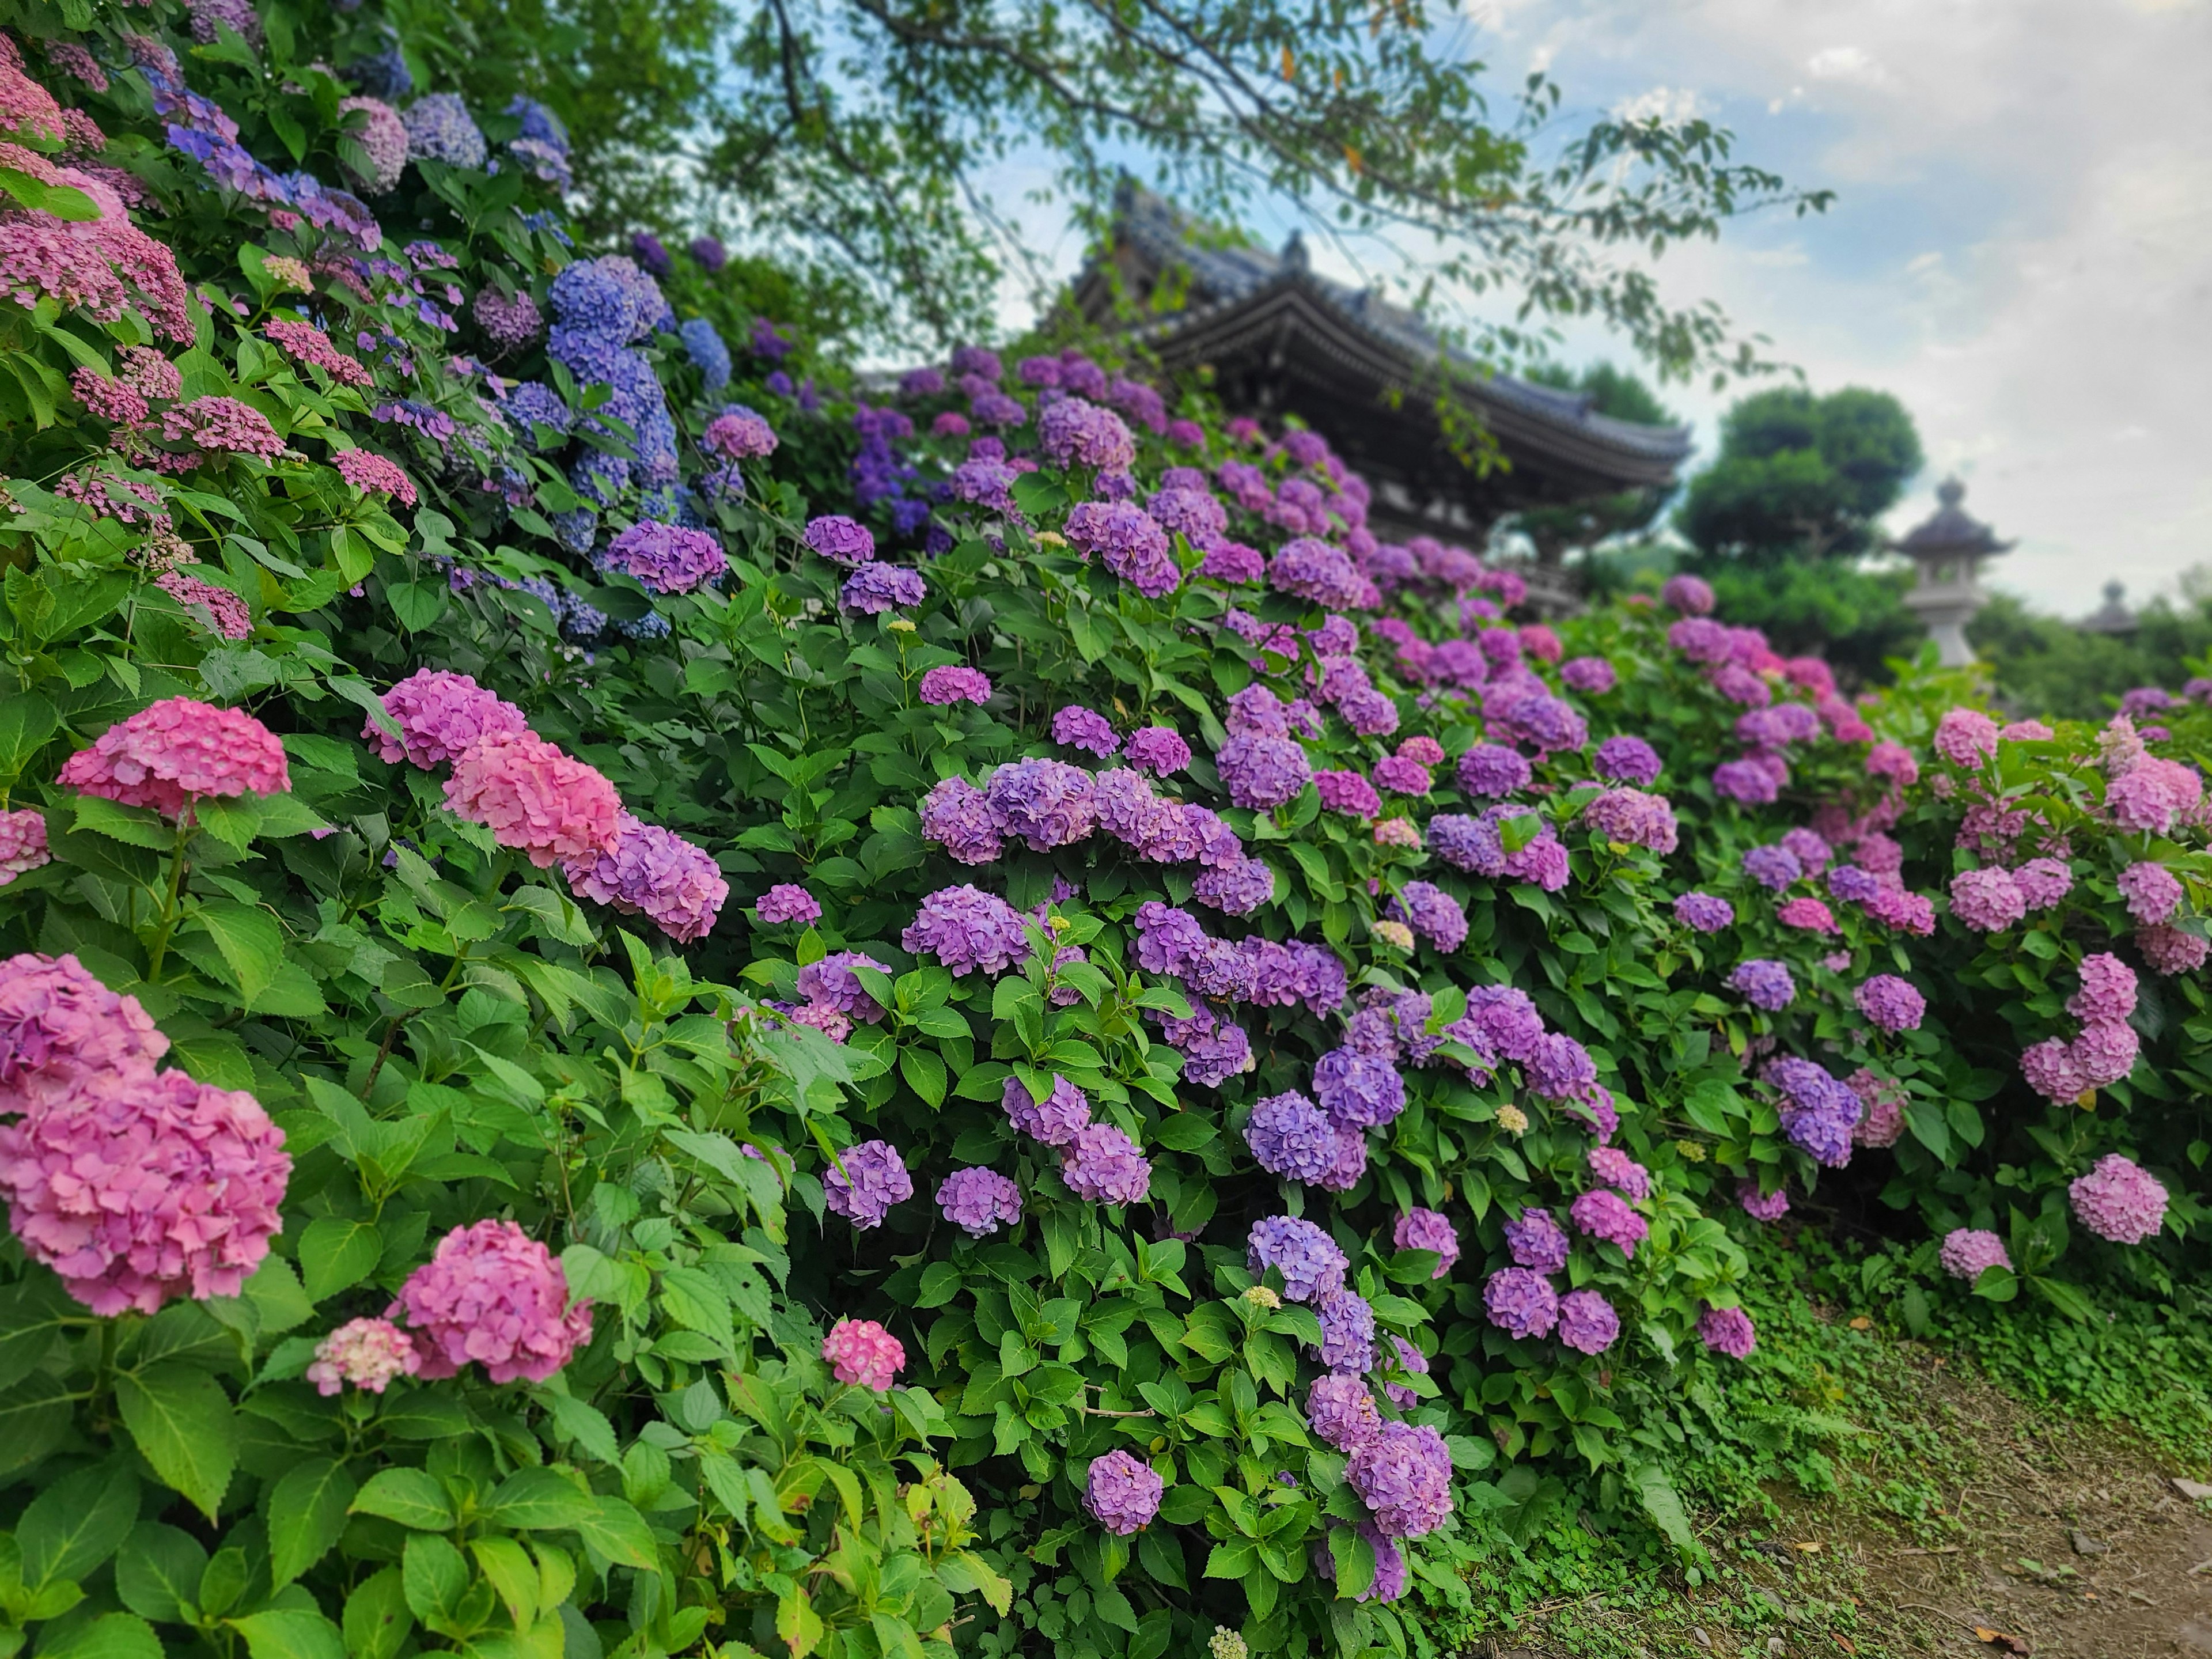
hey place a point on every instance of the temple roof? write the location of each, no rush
(1366, 373)
(1950, 530)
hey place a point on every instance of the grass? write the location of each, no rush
(1851, 1466)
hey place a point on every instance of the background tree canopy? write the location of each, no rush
(1802, 477)
(846, 138)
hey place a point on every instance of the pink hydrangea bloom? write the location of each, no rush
(2119, 1201)
(2108, 989)
(2152, 892)
(1123, 1493)
(1809, 913)
(493, 1295)
(137, 1187)
(2169, 950)
(1883, 1119)
(440, 717)
(99, 267)
(2152, 794)
(1620, 1171)
(306, 344)
(2043, 882)
(1890, 1004)
(22, 844)
(366, 1352)
(2049, 1070)
(1966, 736)
(1893, 761)
(1969, 1252)
(2103, 1053)
(1989, 901)
(952, 683)
(1762, 1206)
(374, 475)
(1428, 1230)
(787, 901)
(59, 1025)
(179, 751)
(1606, 1215)
(230, 613)
(862, 1351)
(655, 873)
(223, 425)
(535, 799)
(1729, 1331)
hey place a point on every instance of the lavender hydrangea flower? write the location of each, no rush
(2119, 1201)
(1307, 1258)
(1819, 1109)
(979, 1201)
(1504, 1015)
(960, 817)
(1237, 889)
(1969, 1252)
(1890, 1004)
(786, 902)
(1262, 772)
(1627, 760)
(875, 587)
(1606, 1215)
(1290, 1137)
(1772, 867)
(1413, 1363)
(840, 539)
(1489, 770)
(1047, 803)
(1347, 1331)
(1121, 1494)
(1342, 1411)
(1157, 750)
(830, 983)
(1056, 1120)
(1537, 1241)
(1432, 914)
(873, 1179)
(1588, 1323)
(1764, 983)
(1404, 1476)
(1703, 913)
(1077, 727)
(1520, 1301)
(967, 929)
(1103, 1165)
(1428, 1230)
(1356, 1091)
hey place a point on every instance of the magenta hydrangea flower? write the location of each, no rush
(179, 751)
(968, 929)
(960, 817)
(1966, 736)
(1157, 750)
(1428, 1230)
(1620, 1171)
(1588, 1323)
(1890, 1004)
(1102, 1164)
(1404, 1477)
(1537, 1241)
(1291, 1136)
(1988, 899)
(1262, 771)
(1606, 1215)
(2152, 892)
(366, 1352)
(534, 797)
(1968, 1252)
(1307, 1258)
(861, 1351)
(1591, 676)
(1691, 596)
(2169, 950)
(867, 1180)
(830, 983)
(1056, 1120)
(493, 1296)
(1078, 727)
(979, 1201)
(137, 1187)
(1807, 914)
(2108, 989)
(654, 872)
(1764, 983)
(1342, 1411)
(1047, 803)
(1762, 1206)
(1703, 913)
(2043, 882)
(374, 475)
(2119, 1201)
(1632, 818)
(22, 844)
(836, 537)
(1121, 1494)
(232, 617)
(1491, 769)
(786, 902)
(1729, 1331)
(440, 717)
(950, 683)
(1520, 1301)
(60, 1027)
(1347, 1331)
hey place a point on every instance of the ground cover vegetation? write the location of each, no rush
(655, 1003)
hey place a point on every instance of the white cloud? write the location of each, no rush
(1846, 64)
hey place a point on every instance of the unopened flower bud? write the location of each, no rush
(1261, 1296)
(1512, 1119)
(1395, 934)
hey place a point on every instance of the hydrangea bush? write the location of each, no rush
(650, 1004)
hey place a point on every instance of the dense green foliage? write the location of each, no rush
(2048, 664)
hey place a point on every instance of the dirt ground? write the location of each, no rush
(2005, 1534)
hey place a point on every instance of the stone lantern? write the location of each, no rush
(1948, 551)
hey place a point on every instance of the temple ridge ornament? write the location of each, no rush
(1947, 550)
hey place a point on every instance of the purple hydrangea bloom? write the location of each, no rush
(1432, 914)
(1290, 1137)
(1505, 1016)
(2119, 1201)
(1592, 676)
(874, 588)
(1311, 569)
(1261, 772)
(873, 1179)
(1047, 803)
(1074, 432)
(966, 929)
(1764, 983)
(1428, 1230)
(786, 902)
(1491, 769)
(1157, 750)
(1772, 867)
(1130, 544)
(1620, 1171)
(950, 683)
(1727, 1331)
(1340, 1410)
(960, 817)
(1890, 1004)
(840, 539)
(1077, 727)
(1213, 1050)
(1306, 1257)
(1168, 939)
(1819, 1109)
(979, 1201)
(1762, 1206)
(1066, 1111)
(1588, 1323)
(1102, 1164)
(1121, 1494)
(1968, 1252)
(1520, 1301)
(830, 983)
(1347, 1331)
(1356, 1091)
(666, 558)
(1627, 760)
(1404, 1476)
(1703, 913)
(1631, 818)
(1852, 884)
(1414, 1362)
(1606, 1215)
(1746, 782)
(1560, 1068)
(1238, 889)
(1537, 1241)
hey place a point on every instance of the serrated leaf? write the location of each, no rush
(183, 1423)
(306, 1512)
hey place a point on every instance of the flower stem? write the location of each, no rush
(160, 948)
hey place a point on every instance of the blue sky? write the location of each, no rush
(2022, 248)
